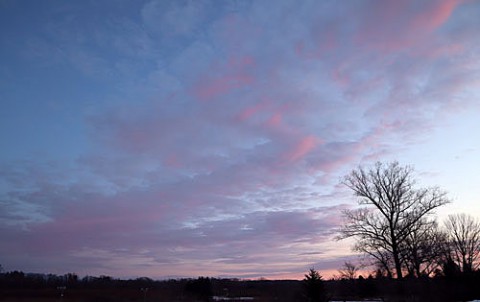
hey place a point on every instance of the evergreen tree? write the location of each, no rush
(314, 287)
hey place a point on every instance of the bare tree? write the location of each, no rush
(423, 249)
(380, 259)
(349, 270)
(464, 238)
(395, 209)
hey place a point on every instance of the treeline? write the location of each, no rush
(19, 279)
(462, 287)
(17, 285)
(69, 287)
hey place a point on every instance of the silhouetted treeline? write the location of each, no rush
(40, 287)
(461, 287)
(458, 286)
(17, 279)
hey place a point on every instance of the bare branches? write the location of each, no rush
(422, 250)
(464, 236)
(349, 271)
(394, 209)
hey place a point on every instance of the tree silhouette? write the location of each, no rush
(314, 287)
(395, 209)
(464, 238)
(348, 271)
(200, 287)
(423, 249)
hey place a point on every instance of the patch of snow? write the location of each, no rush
(220, 298)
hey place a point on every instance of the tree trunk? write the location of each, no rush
(396, 259)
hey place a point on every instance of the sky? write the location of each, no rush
(208, 138)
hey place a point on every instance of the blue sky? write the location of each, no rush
(186, 138)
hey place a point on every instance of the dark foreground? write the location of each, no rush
(23, 287)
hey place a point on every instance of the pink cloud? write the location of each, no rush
(442, 51)
(97, 222)
(303, 147)
(434, 17)
(250, 111)
(241, 62)
(212, 88)
(402, 25)
(234, 74)
(275, 120)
